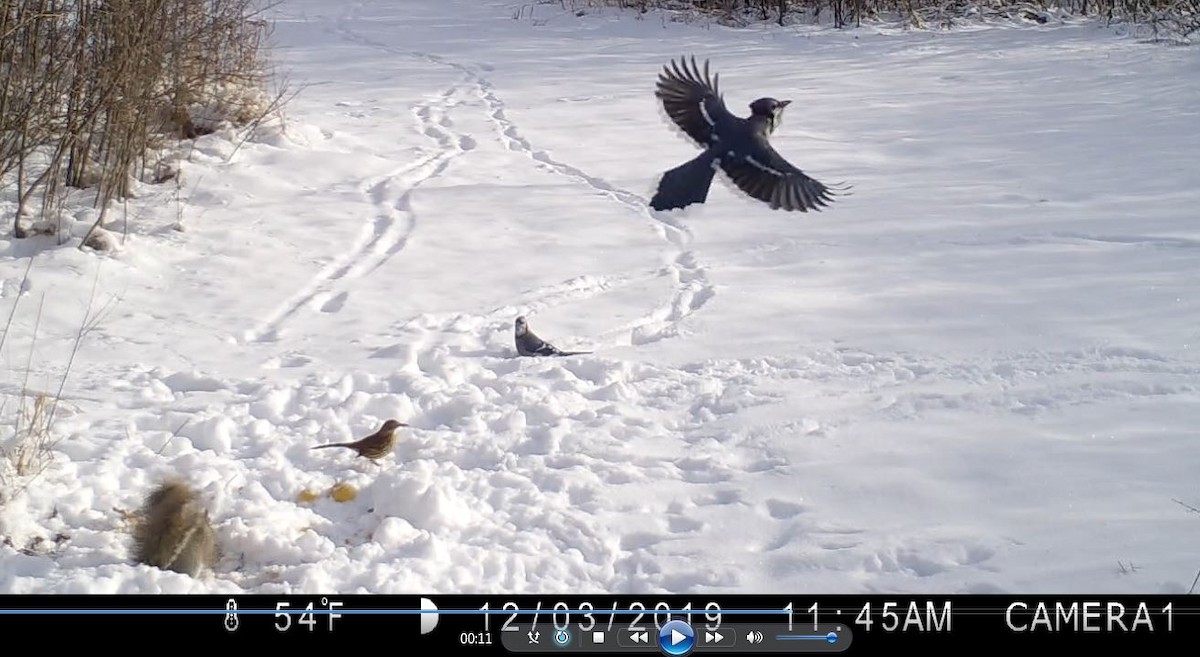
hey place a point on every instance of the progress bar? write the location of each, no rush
(831, 637)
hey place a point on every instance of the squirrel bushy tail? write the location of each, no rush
(174, 531)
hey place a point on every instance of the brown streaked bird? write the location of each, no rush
(376, 445)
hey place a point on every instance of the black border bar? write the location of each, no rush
(1149, 624)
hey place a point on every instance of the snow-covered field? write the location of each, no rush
(978, 373)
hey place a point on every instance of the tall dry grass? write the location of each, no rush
(28, 439)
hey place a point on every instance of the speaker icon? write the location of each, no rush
(754, 636)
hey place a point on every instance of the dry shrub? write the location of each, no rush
(1165, 19)
(90, 89)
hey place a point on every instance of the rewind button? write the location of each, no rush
(718, 639)
(639, 638)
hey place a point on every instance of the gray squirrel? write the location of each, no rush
(174, 531)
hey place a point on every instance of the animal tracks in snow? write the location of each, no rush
(387, 232)
(691, 288)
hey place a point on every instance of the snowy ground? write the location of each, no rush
(979, 373)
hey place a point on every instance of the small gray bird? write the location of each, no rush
(529, 344)
(740, 147)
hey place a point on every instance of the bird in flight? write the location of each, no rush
(739, 146)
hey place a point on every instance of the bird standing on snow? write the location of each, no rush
(740, 147)
(529, 344)
(376, 445)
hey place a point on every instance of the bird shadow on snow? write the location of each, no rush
(493, 339)
(400, 349)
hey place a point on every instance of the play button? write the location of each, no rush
(676, 638)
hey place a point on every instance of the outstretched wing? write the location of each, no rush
(692, 100)
(766, 176)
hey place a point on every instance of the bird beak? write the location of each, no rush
(784, 103)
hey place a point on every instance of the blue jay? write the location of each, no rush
(529, 344)
(740, 147)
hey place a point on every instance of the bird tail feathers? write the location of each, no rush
(684, 185)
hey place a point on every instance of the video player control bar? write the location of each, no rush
(677, 638)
